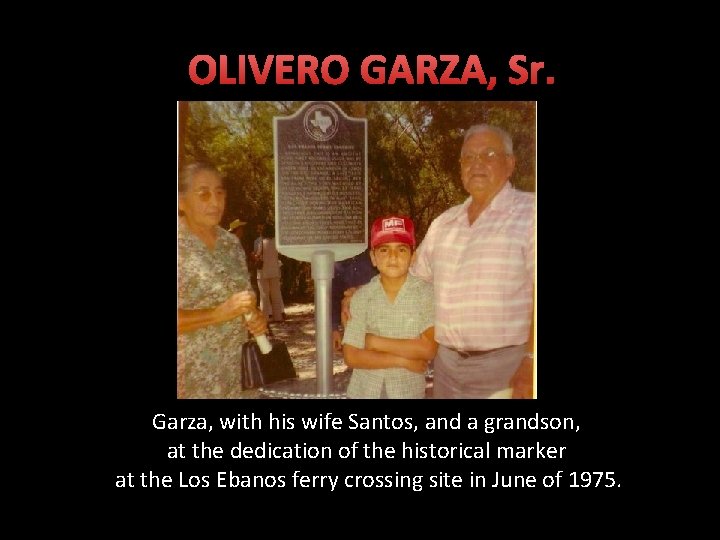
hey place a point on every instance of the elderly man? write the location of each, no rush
(480, 258)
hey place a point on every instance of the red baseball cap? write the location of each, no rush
(392, 229)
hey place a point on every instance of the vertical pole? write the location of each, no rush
(322, 269)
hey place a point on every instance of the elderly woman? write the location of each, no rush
(213, 291)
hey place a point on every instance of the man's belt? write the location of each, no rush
(468, 354)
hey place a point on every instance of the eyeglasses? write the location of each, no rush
(490, 155)
(204, 194)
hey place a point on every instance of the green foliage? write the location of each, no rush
(413, 150)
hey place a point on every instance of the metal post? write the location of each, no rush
(322, 269)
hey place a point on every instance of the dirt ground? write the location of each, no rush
(298, 333)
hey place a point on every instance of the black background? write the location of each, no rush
(585, 314)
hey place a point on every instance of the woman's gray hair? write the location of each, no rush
(482, 128)
(188, 172)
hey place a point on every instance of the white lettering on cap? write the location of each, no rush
(392, 224)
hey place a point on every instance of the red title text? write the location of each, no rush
(335, 69)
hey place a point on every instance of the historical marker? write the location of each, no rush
(320, 182)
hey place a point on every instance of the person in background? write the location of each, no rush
(237, 227)
(213, 295)
(480, 258)
(389, 337)
(268, 274)
(348, 274)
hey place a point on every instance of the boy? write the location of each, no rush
(389, 338)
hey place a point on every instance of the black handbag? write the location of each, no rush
(259, 369)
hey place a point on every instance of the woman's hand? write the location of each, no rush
(257, 323)
(238, 304)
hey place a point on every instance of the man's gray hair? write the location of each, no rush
(482, 128)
